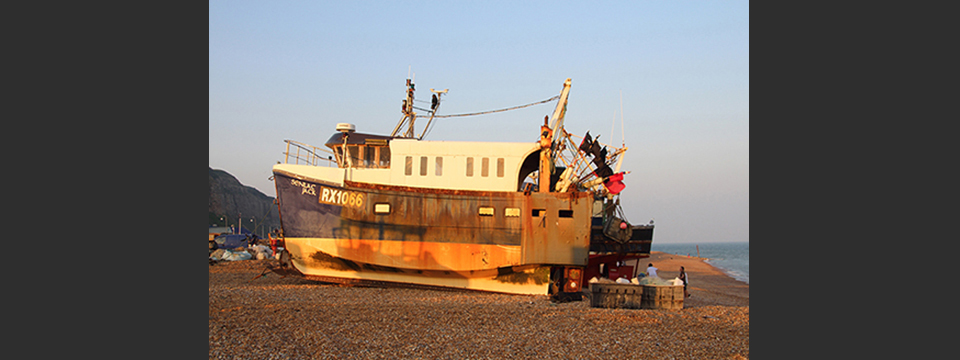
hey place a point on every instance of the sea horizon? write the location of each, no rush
(733, 257)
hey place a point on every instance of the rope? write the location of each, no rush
(495, 111)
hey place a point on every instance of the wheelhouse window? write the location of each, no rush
(500, 167)
(354, 153)
(369, 157)
(485, 167)
(384, 155)
(408, 166)
(364, 156)
(423, 166)
(439, 166)
(469, 166)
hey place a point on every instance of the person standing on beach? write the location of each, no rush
(683, 276)
(651, 271)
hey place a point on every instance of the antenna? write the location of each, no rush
(623, 137)
(614, 123)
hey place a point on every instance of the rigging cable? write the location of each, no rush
(495, 111)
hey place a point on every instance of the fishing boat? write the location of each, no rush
(510, 217)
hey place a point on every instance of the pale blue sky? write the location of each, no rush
(293, 69)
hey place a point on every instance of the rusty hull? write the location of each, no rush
(456, 238)
(549, 228)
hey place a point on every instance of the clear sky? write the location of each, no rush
(294, 69)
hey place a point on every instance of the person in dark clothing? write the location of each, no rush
(683, 276)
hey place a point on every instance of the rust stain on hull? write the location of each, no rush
(429, 235)
(318, 265)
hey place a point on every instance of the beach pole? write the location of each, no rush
(698, 250)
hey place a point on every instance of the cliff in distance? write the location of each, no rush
(231, 201)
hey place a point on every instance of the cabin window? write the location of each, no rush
(511, 212)
(384, 157)
(408, 167)
(369, 156)
(363, 156)
(423, 166)
(485, 167)
(537, 212)
(486, 211)
(566, 213)
(500, 167)
(469, 166)
(439, 166)
(354, 152)
(381, 209)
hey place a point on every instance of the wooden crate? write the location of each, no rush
(615, 296)
(629, 296)
(662, 297)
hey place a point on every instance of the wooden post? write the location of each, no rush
(698, 250)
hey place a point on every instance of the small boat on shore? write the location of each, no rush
(510, 217)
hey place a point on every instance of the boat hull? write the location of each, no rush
(480, 240)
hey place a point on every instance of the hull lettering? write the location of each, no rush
(341, 197)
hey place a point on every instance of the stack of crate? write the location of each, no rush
(630, 296)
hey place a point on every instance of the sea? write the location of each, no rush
(733, 258)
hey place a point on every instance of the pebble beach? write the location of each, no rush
(274, 317)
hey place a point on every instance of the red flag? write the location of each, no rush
(614, 184)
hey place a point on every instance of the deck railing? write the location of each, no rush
(307, 154)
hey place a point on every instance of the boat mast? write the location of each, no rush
(560, 111)
(408, 113)
(550, 138)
